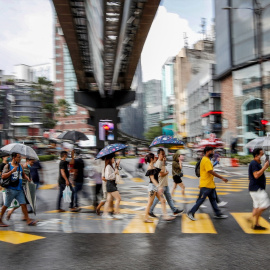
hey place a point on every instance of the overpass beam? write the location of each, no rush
(92, 100)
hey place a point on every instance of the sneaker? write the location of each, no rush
(118, 216)
(76, 209)
(221, 216)
(203, 206)
(178, 212)
(258, 227)
(152, 215)
(107, 216)
(221, 204)
(191, 216)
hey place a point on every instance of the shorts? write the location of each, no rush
(111, 186)
(152, 188)
(12, 194)
(177, 179)
(260, 199)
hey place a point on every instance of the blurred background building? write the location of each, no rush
(153, 113)
(242, 67)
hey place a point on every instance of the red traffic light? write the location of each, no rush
(264, 122)
(106, 127)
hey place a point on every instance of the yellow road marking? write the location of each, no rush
(185, 201)
(51, 186)
(137, 225)
(203, 224)
(186, 196)
(191, 177)
(231, 186)
(242, 220)
(56, 211)
(229, 189)
(17, 237)
(197, 192)
(137, 179)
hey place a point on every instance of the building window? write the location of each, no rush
(58, 80)
(58, 63)
(84, 121)
(83, 112)
(57, 38)
(58, 72)
(58, 88)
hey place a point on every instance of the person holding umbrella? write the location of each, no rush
(112, 191)
(154, 189)
(15, 190)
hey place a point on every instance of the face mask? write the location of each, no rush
(29, 166)
(211, 155)
(263, 158)
(8, 159)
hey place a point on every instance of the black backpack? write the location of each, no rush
(197, 168)
(7, 181)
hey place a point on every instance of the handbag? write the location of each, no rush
(178, 174)
(118, 179)
(7, 181)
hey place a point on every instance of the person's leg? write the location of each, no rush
(169, 199)
(72, 197)
(107, 204)
(182, 186)
(156, 201)
(163, 207)
(151, 197)
(3, 210)
(10, 212)
(60, 195)
(9, 197)
(202, 196)
(116, 195)
(97, 192)
(174, 188)
(213, 201)
(217, 198)
(77, 188)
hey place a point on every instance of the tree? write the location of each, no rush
(64, 110)
(43, 91)
(153, 132)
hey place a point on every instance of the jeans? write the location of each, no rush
(12, 194)
(78, 187)
(204, 193)
(60, 195)
(169, 199)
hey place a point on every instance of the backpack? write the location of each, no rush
(7, 181)
(197, 168)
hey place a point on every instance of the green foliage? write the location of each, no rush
(64, 108)
(23, 119)
(153, 132)
(47, 157)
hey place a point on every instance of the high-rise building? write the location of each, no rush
(242, 68)
(65, 86)
(152, 104)
(187, 64)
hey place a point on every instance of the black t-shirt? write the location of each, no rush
(255, 184)
(154, 172)
(63, 165)
(2, 165)
(79, 165)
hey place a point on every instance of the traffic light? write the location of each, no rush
(263, 125)
(256, 126)
(106, 131)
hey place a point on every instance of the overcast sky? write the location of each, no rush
(26, 35)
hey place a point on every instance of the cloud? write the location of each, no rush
(27, 37)
(165, 39)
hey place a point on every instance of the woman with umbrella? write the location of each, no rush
(154, 189)
(112, 191)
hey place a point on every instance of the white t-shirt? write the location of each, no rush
(162, 181)
(109, 173)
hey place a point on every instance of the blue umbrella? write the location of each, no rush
(109, 149)
(164, 139)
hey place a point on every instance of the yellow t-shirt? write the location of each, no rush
(206, 178)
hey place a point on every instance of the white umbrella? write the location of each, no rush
(263, 142)
(21, 149)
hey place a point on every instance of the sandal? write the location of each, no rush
(148, 221)
(169, 219)
(33, 223)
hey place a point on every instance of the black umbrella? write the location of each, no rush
(73, 136)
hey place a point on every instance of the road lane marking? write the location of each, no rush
(229, 189)
(190, 176)
(49, 186)
(203, 224)
(137, 225)
(137, 179)
(185, 196)
(242, 220)
(197, 192)
(18, 237)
